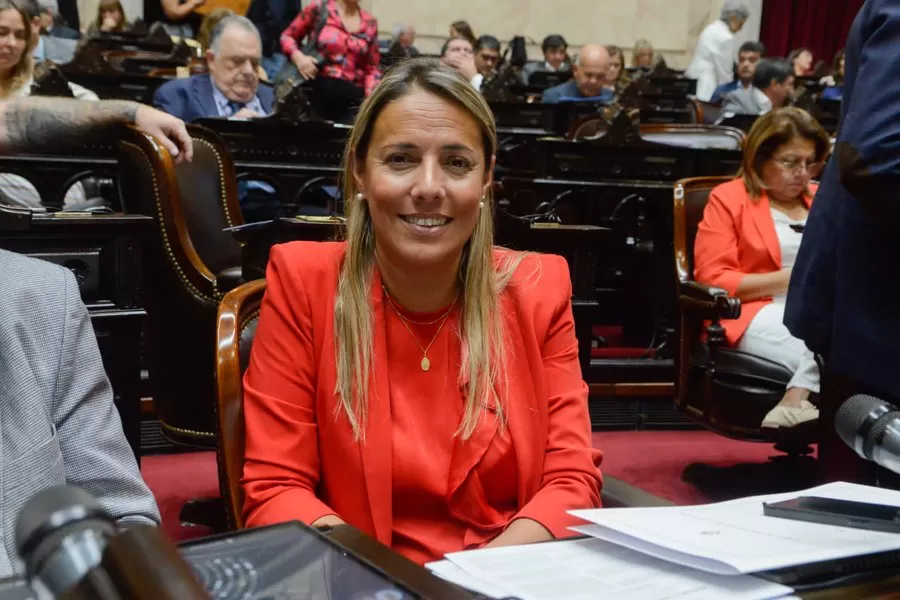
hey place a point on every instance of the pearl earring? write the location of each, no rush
(360, 197)
(482, 202)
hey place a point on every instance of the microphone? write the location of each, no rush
(872, 428)
(61, 534)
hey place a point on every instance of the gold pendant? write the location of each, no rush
(426, 364)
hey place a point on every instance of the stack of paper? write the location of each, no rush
(588, 569)
(736, 537)
(684, 553)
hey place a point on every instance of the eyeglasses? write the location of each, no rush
(794, 165)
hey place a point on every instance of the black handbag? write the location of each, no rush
(289, 72)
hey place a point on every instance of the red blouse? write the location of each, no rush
(426, 409)
(353, 57)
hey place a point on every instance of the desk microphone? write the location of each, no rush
(61, 534)
(872, 428)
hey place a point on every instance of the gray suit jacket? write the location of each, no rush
(58, 423)
(746, 101)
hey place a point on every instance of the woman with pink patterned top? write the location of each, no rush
(347, 66)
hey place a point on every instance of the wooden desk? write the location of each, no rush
(104, 252)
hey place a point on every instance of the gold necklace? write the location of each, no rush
(425, 364)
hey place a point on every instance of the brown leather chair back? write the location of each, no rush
(238, 317)
(690, 198)
(183, 291)
(209, 200)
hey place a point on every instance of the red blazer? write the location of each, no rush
(737, 236)
(301, 461)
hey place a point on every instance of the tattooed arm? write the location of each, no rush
(32, 122)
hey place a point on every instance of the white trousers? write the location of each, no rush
(766, 336)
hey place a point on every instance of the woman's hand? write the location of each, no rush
(305, 64)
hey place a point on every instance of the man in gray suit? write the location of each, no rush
(773, 87)
(48, 47)
(59, 424)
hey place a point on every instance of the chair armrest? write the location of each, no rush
(693, 294)
(618, 494)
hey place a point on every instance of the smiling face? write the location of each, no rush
(423, 177)
(13, 39)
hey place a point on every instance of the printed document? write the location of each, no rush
(735, 537)
(588, 569)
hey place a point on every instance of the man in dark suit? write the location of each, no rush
(231, 90)
(588, 79)
(844, 291)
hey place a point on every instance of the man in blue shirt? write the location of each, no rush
(232, 91)
(589, 78)
(748, 57)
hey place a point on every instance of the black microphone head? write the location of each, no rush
(54, 516)
(855, 417)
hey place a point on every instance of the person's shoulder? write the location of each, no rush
(31, 285)
(535, 276)
(266, 93)
(731, 195)
(558, 91)
(176, 86)
(308, 261)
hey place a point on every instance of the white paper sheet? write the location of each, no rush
(591, 569)
(735, 537)
(452, 573)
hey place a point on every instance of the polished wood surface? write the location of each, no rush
(239, 7)
(238, 309)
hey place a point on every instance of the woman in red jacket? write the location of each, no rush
(414, 381)
(748, 241)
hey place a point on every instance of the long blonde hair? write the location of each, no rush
(481, 332)
(24, 69)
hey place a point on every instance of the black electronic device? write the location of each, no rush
(292, 560)
(843, 513)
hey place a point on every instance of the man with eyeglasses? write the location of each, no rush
(844, 300)
(231, 90)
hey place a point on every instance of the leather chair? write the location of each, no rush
(190, 264)
(238, 317)
(237, 321)
(726, 390)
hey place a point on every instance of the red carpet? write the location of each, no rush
(655, 461)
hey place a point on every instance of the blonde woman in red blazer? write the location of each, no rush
(748, 240)
(414, 381)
